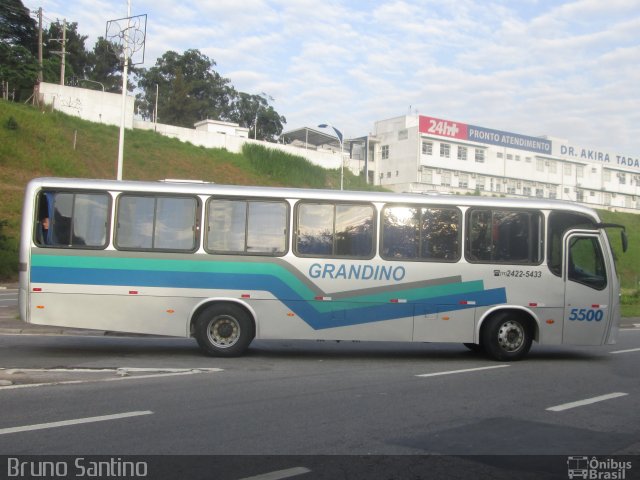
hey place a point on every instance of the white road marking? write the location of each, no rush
(77, 421)
(587, 401)
(279, 474)
(122, 372)
(451, 372)
(626, 351)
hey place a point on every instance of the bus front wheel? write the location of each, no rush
(507, 336)
(224, 330)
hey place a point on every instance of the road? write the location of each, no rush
(159, 396)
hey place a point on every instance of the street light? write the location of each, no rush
(339, 135)
(92, 81)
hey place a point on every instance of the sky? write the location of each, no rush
(566, 69)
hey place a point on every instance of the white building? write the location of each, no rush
(423, 154)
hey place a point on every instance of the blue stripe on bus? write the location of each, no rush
(346, 312)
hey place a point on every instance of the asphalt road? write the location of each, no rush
(78, 395)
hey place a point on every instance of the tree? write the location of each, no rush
(18, 43)
(19, 68)
(255, 113)
(17, 27)
(189, 89)
(104, 66)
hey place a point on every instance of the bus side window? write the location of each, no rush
(559, 223)
(42, 234)
(72, 220)
(586, 263)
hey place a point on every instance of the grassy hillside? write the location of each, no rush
(34, 143)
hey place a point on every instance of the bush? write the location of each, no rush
(11, 124)
(8, 255)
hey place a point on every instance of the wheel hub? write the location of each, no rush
(224, 331)
(511, 336)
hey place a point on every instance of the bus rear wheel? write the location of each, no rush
(507, 336)
(224, 330)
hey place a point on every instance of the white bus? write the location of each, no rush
(227, 264)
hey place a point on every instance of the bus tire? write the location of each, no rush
(507, 336)
(224, 330)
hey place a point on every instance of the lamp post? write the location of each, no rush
(339, 135)
(92, 81)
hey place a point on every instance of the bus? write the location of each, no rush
(230, 264)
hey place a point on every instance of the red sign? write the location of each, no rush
(444, 128)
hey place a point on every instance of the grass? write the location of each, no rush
(36, 143)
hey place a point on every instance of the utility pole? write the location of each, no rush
(40, 77)
(63, 52)
(64, 49)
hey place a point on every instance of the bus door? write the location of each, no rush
(587, 289)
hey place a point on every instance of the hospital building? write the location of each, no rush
(421, 154)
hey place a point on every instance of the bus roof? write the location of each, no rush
(204, 188)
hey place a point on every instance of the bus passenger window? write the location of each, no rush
(72, 219)
(157, 223)
(334, 230)
(247, 226)
(505, 236)
(421, 233)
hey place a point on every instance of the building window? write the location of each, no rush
(480, 183)
(511, 187)
(509, 156)
(553, 192)
(526, 191)
(606, 175)
(527, 159)
(445, 150)
(388, 174)
(445, 179)
(622, 178)
(403, 134)
(567, 169)
(479, 155)
(427, 148)
(540, 192)
(540, 165)
(463, 180)
(427, 175)
(499, 155)
(462, 153)
(517, 158)
(579, 171)
(385, 152)
(553, 167)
